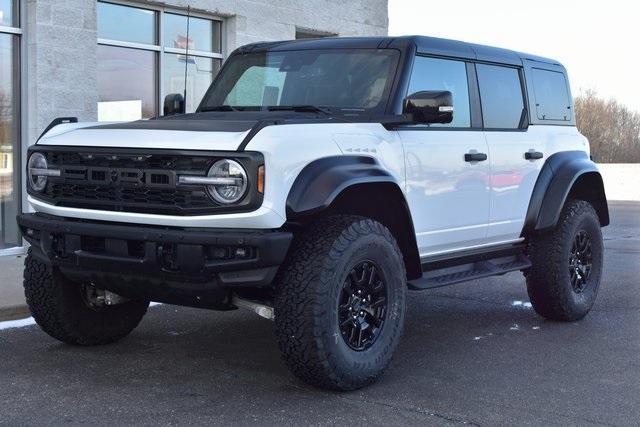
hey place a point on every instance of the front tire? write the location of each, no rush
(62, 311)
(566, 269)
(340, 303)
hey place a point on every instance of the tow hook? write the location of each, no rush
(95, 297)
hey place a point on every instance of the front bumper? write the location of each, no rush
(186, 266)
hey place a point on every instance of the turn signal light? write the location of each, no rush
(261, 179)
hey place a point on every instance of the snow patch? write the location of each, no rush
(483, 337)
(522, 304)
(20, 323)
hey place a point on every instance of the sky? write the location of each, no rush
(597, 41)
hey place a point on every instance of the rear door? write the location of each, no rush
(448, 196)
(515, 152)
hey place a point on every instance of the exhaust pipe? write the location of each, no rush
(260, 309)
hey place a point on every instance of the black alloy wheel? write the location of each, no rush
(362, 308)
(580, 261)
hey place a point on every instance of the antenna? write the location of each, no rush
(186, 58)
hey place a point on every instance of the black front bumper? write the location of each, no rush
(187, 266)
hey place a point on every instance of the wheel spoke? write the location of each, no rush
(379, 302)
(342, 308)
(359, 341)
(348, 286)
(373, 320)
(372, 274)
(346, 322)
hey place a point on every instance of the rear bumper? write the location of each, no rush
(187, 266)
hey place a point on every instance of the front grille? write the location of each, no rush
(141, 182)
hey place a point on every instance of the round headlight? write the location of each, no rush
(235, 173)
(37, 161)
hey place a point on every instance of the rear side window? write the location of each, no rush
(501, 96)
(551, 94)
(444, 74)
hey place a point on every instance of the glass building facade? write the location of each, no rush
(10, 194)
(142, 56)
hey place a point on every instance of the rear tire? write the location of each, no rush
(340, 303)
(566, 269)
(58, 307)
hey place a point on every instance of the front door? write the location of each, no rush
(448, 192)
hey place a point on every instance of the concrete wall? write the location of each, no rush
(61, 62)
(61, 42)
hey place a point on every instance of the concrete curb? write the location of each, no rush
(13, 313)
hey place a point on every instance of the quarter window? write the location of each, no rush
(501, 96)
(137, 67)
(444, 74)
(552, 97)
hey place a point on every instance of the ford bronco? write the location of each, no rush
(316, 183)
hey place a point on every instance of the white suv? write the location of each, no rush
(317, 181)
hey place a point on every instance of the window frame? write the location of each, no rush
(15, 31)
(475, 112)
(535, 94)
(475, 100)
(160, 48)
(523, 91)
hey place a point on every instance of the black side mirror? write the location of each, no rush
(173, 104)
(430, 106)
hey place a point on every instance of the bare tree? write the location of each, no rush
(613, 130)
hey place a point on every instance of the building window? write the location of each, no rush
(10, 194)
(142, 56)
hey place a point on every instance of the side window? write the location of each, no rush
(552, 97)
(501, 96)
(444, 74)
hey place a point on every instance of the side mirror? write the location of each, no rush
(173, 104)
(430, 106)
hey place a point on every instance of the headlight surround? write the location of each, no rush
(228, 193)
(37, 162)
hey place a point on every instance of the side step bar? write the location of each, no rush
(441, 273)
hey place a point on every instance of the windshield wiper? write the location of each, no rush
(219, 108)
(302, 109)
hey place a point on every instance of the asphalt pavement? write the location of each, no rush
(473, 353)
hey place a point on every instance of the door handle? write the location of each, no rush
(475, 157)
(533, 155)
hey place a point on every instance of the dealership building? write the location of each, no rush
(116, 60)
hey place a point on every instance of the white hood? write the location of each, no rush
(84, 134)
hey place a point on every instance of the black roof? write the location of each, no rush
(423, 44)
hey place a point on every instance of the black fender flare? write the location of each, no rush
(322, 180)
(360, 185)
(556, 180)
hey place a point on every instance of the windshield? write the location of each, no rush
(347, 80)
